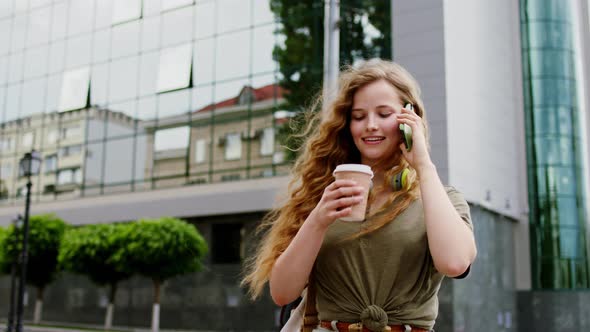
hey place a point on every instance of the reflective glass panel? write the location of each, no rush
(126, 10)
(170, 139)
(205, 19)
(177, 26)
(170, 4)
(148, 73)
(17, 37)
(204, 62)
(99, 84)
(200, 151)
(36, 60)
(16, 68)
(39, 26)
(57, 56)
(118, 162)
(59, 21)
(262, 12)
(3, 70)
(36, 103)
(262, 47)
(74, 89)
(227, 64)
(5, 29)
(125, 40)
(174, 68)
(233, 15)
(78, 51)
(12, 102)
(150, 33)
(53, 92)
(123, 79)
(81, 14)
(233, 146)
(173, 103)
(104, 13)
(267, 141)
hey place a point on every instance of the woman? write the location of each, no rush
(388, 269)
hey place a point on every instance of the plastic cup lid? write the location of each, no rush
(354, 168)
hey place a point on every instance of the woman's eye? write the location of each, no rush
(385, 115)
(357, 118)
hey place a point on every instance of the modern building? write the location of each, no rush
(176, 107)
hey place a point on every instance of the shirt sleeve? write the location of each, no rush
(460, 205)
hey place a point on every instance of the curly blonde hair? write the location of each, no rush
(329, 144)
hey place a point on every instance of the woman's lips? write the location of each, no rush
(373, 140)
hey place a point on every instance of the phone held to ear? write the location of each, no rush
(406, 130)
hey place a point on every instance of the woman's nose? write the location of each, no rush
(372, 124)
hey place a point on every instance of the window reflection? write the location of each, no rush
(171, 139)
(174, 69)
(233, 146)
(118, 163)
(126, 10)
(200, 151)
(27, 140)
(50, 163)
(78, 51)
(267, 142)
(36, 62)
(74, 89)
(5, 29)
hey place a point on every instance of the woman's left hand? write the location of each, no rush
(418, 156)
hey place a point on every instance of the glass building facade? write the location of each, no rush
(132, 95)
(554, 146)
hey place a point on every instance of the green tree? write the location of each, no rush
(161, 249)
(91, 251)
(45, 233)
(365, 32)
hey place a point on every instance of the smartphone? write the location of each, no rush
(406, 130)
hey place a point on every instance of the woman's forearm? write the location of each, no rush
(451, 242)
(291, 271)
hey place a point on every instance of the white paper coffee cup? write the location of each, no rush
(361, 174)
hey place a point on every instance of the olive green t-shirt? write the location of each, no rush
(390, 268)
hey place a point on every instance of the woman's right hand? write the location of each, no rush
(337, 202)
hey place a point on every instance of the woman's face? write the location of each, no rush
(373, 121)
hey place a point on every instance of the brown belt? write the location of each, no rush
(357, 327)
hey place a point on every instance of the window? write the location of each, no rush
(70, 132)
(200, 151)
(171, 139)
(126, 10)
(5, 171)
(68, 176)
(52, 136)
(175, 68)
(6, 144)
(27, 140)
(233, 147)
(71, 150)
(226, 242)
(267, 142)
(50, 163)
(21, 191)
(74, 89)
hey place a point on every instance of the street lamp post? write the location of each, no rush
(29, 165)
(16, 223)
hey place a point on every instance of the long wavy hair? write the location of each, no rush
(328, 144)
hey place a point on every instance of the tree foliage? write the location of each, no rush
(161, 248)
(45, 233)
(3, 237)
(91, 250)
(365, 32)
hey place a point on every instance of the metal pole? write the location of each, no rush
(331, 49)
(13, 268)
(24, 260)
